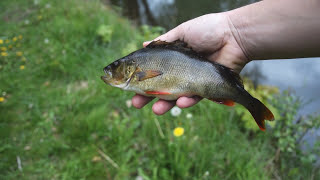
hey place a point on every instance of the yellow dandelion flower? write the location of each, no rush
(20, 37)
(1, 41)
(19, 53)
(14, 39)
(22, 67)
(2, 99)
(3, 48)
(178, 131)
(10, 46)
(7, 41)
(4, 54)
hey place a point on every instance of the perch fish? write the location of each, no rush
(171, 70)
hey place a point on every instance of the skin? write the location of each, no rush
(269, 29)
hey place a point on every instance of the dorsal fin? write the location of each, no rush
(176, 45)
(159, 43)
(238, 78)
(229, 74)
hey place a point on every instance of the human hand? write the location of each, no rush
(212, 35)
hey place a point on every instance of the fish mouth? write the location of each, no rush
(105, 79)
(108, 75)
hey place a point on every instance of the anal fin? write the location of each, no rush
(223, 101)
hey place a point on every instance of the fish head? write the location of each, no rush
(120, 72)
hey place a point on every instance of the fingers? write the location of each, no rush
(184, 102)
(139, 101)
(159, 108)
(162, 106)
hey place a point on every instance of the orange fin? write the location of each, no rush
(143, 75)
(157, 93)
(259, 112)
(262, 128)
(225, 102)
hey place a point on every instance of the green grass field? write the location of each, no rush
(60, 121)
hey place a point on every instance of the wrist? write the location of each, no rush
(245, 29)
(236, 32)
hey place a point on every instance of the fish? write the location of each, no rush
(169, 70)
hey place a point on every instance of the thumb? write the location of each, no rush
(146, 43)
(230, 57)
(170, 36)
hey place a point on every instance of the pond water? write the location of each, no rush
(298, 75)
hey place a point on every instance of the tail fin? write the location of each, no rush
(259, 112)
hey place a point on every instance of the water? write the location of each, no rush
(298, 75)
(170, 13)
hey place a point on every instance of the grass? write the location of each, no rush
(63, 122)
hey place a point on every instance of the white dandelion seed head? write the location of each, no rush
(46, 40)
(129, 103)
(175, 111)
(189, 116)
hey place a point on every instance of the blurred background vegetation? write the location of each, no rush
(58, 120)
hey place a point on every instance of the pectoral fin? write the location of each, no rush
(143, 75)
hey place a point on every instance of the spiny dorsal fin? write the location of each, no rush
(159, 43)
(176, 45)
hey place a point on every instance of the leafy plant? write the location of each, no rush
(288, 135)
(105, 32)
(151, 32)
